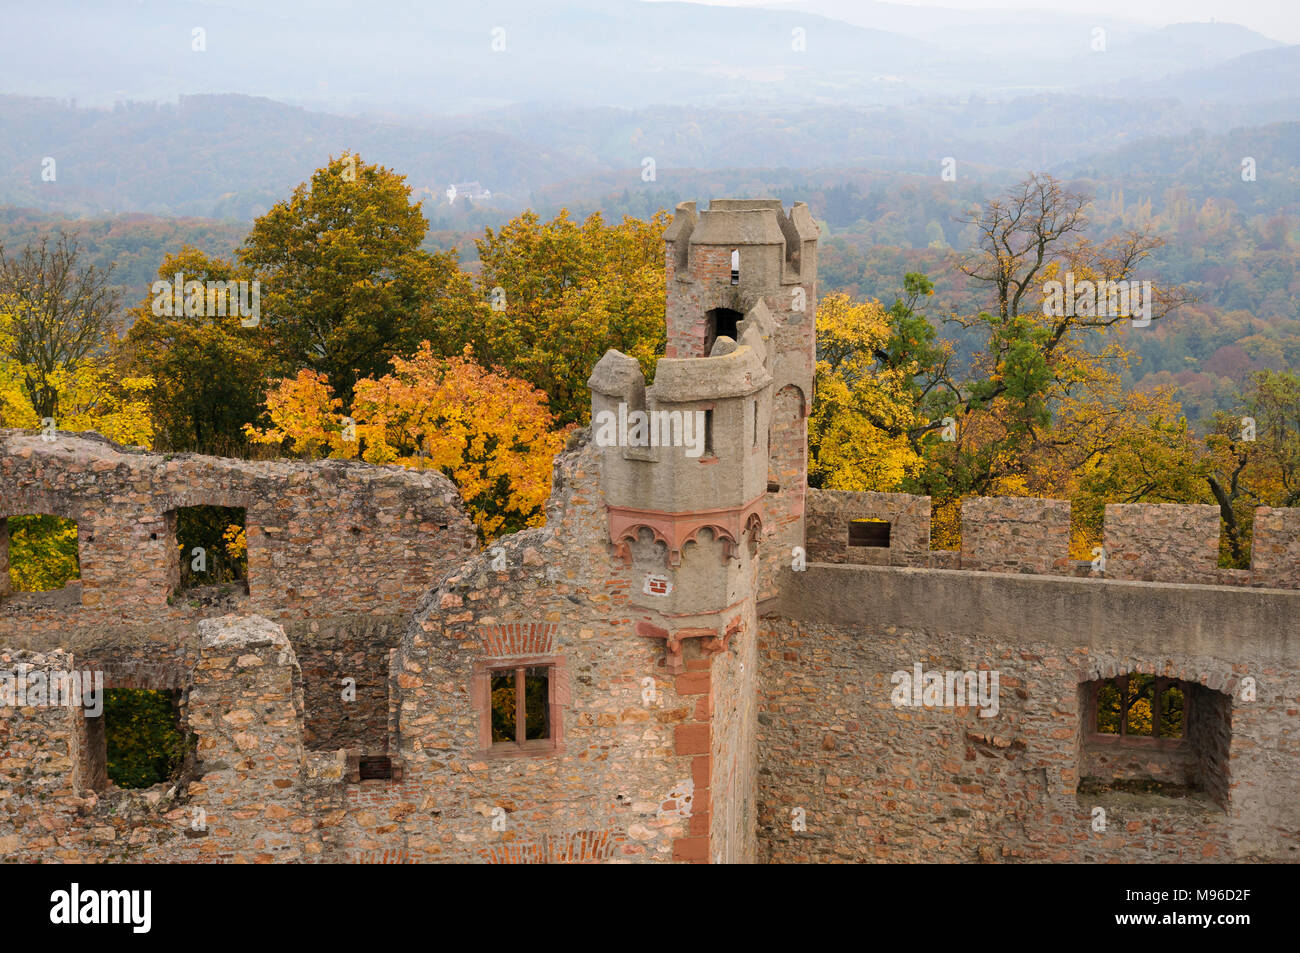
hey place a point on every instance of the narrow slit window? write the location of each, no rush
(735, 266)
(708, 433)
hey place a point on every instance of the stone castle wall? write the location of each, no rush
(886, 782)
(1142, 541)
(640, 747)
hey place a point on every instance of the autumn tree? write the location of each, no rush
(345, 283)
(1255, 456)
(866, 410)
(560, 294)
(43, 548)
(60, 315)
(490, 433)
(1040, 406)
(209, 369)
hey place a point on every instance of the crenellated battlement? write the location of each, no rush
(1162, 542)
(772, 244)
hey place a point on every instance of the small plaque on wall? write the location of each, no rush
(656, 585)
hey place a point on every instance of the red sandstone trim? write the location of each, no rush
(675, 530)
(694, 739)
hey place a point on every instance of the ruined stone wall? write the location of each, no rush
(886, 783)
(785, 504)
(1162, 542)
(242, 800)
(1011, 534)
(626, 780)
(338, 552)
(245, 705)
(1275, 548)
(324, 539)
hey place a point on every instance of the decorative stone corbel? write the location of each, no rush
(713, 642)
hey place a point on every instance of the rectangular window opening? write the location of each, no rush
(521, 700)
(375, 767)
(40, 555)
(144, 741)
(1148, 736)
(212, 546)
(873, 533)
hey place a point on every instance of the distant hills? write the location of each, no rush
(411, 56)
(231, 157)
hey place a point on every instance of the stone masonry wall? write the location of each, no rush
(831, 511)
(787, 498)
(1151, 542)
(338, 552)
(324, 538)
(627, 776)
(1011, 534)
(886, 783)
(1275, 548)
(1162, 542)
(244, 798)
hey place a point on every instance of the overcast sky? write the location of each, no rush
(1279, 19)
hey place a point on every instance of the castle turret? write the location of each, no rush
(748, 262)
(715, 450)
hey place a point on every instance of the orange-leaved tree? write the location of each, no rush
(492, 434)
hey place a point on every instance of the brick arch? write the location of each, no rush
(518, 638)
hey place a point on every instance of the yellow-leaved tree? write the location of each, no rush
(858, 434)
(43, 548)
(560, 294)
(492, 434)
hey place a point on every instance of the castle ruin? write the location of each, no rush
(697, 659)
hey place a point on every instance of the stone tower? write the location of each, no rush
(704, 473)
(747, 262)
